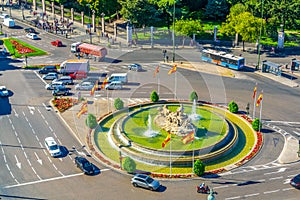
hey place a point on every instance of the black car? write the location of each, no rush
(295, 182)
(85, 166)
(47, 69)
(29, 30)
(61, 91)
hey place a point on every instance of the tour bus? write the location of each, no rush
(222, 58)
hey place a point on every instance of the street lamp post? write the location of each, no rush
(173, 34)
(260, 30)
(22, 7)
(89, 25)
(2, 5)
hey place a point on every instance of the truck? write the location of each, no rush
(10, 23)
(72, 66)
(85, 49)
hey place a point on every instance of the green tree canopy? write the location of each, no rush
(154, 96)
(233, 107)
(119, 104)
(194, 96)
(91, 121)
(256, 124)
(129, 165)
(199, 167)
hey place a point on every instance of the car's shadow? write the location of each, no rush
(64, 151)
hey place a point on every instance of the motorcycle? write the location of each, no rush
(204, 190)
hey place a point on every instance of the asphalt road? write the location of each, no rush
(25, 122)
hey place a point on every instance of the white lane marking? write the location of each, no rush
(272, 191)
(16, 114)
(296, 133)
(251, 195)
(43, 180)
(50, 129)
(223, 186)
(286, 189)
(18, 163)
(237, 197)
(38, 159)
(103, 170)
(275, 178)
(280, 170)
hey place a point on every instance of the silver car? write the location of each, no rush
(84, 86)
(52, 86)
(50, 76)
(142, 180)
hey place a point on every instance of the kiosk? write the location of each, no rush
(295, 64)
(271, 67)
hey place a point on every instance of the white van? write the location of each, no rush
(52, 147)
(10, 23)
(115, 85)
(122, 77)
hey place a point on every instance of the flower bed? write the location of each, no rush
(63, 104)
(20, 48)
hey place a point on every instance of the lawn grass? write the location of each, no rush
(210, 129)
(245, 144)
(15, 54)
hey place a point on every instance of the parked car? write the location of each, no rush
(115, 85)
(50, 76)
(85, 165)
(32, 36)
(52, 86)
(56, 43)
(3, 91)
(29, 30)
(67, 80)
(52, 147)
(295, 182)
(4, 16)
(47, 69)
(84, 86)
(61, 91)
(135, 67)
(78, 75)
(142, 180)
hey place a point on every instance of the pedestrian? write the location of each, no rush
(167, 57)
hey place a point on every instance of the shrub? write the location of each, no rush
(129, 165)
(91, 121)
(233, 107)
(119, 104)
(256, 124)
(154, 96)
(194, 96)
(199, 167)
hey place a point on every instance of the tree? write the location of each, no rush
(119, 104)
(233, 107)
(256, 124)
(217, 9)
(91, 121)
(129, 165)
(140, 12)
(199, 167)
(187, 27)
(194, 96)
(241, 22)
(154, 96)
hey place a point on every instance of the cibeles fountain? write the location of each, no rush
(177, 123)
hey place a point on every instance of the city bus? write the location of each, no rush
(223, 59)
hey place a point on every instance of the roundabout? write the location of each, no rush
(220, 139)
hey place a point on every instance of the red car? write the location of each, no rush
(56, 43)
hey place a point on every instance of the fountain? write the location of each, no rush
(150, 132)
(194, 116)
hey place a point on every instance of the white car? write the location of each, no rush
(3, 91)
(84, 86)
(52, 86)
(32, 36)
(4, 16)
(50, 76)
(52, 147)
